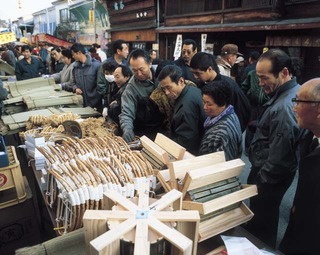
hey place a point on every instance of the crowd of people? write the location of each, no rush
(197, 102)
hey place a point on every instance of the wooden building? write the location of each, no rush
(292, 25)
(134, 22)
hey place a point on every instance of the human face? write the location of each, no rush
(203, 76)
(56, 55)
(65, 60)
(140, 68)
(187, 53)
(267, 81)
(171, 89)
(210, 108)
(76, 55)
(124, 52)
(153, 55)
(231, 59)
(306, 113)
(26, 54)
(119, 78)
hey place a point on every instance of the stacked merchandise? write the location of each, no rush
(79, 171)
(32, 142)
(38, 96)
(210, 185)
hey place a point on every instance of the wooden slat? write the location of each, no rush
(155, 149)
(164, 184)
(207, 175)
(178, 169)
(173, 148)
(95, 222)
(223, 222)
(247, 191)
(112, 197)
(183, 243)
(101, 243)
(182, 215)
(141, 243)
(173, 197)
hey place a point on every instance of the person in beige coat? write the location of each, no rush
(64, 77)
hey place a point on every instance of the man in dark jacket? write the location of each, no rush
(302, 234)
(28, 67)
(205, 69)
(188, 115)
(189, 48)
(252, 60)
(273, 152)
(257, 98)
(84, 75)
(139, 115)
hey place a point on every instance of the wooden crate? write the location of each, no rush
(162, 151)
(170, 178)
(201, 177)
(12, 188)
(218, 214)
(224, 222)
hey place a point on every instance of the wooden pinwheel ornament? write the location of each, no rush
(141, 219)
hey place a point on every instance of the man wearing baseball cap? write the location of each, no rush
(228, 57)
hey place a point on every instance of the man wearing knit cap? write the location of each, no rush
(228, 57)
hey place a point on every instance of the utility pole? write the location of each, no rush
(94, 20)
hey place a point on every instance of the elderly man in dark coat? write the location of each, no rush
(302, 235)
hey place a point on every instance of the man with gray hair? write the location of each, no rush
(274, 150)
(302, 235)
(228, 57)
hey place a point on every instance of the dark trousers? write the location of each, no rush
(265, 206)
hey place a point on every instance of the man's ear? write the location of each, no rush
(285, 72)
(181, 81)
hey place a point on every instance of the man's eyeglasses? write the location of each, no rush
(296, 101)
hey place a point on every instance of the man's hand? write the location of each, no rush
(78, 91)
(128, 135)
(105, 112)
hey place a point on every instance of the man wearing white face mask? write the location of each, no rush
(108, 88)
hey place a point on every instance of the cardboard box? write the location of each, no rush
(35, 140)
(19, 226)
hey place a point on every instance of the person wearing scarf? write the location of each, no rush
(222, 131)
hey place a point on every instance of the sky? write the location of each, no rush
(9, 8)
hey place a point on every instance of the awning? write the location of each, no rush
(307, 23)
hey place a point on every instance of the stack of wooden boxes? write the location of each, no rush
(210, 185)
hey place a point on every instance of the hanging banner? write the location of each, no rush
(177, 48)
(91, 16)
(203, 42)
(7, 37)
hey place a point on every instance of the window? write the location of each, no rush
(190, 6)
(67, 16)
